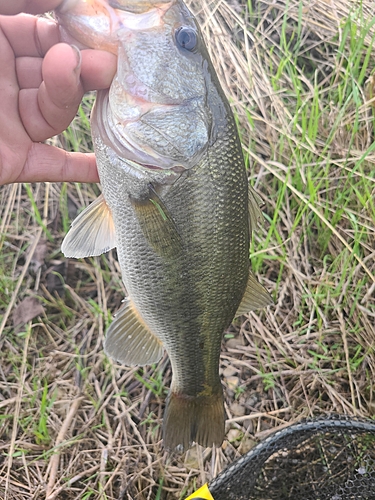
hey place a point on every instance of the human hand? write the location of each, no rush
(42, 82)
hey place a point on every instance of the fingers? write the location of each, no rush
(38, 36)
(61, 91)
(29, 35)
(29, 72)
(31, 6)
(47, 111)
(51, 90)
(11, 131)
(50, 164)
(98, 69)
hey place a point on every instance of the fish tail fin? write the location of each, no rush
(189, 419)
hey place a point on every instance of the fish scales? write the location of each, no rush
(175, 203)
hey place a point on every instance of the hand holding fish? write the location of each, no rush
(42, 82)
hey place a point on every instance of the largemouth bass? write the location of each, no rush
(175, 203)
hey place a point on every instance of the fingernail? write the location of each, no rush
(77, 69)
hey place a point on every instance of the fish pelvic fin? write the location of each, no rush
(157, 224)
(189, 419)
(255, 297)
(92, 232)
(129, 341)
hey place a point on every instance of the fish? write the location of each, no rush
(175, 203)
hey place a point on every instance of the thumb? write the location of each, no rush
(59, 95)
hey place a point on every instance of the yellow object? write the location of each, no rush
(203, 492)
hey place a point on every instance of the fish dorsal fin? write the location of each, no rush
(92, 232)
(157, 224)
(255, 213)
(255, 297)
(129, 341)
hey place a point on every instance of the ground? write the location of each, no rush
(73, 425)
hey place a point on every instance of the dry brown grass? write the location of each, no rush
(75, 426)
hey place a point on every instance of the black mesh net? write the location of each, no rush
(320, 459)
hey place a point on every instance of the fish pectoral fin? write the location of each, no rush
(157, 224)
(255, 297)
(92, 232)
(129, 341)
(255, 213)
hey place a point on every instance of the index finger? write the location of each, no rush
(29, 6)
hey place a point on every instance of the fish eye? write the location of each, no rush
(186, 38)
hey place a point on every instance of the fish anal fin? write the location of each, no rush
(129, 341)
(189, 419)
(157, 224)
(255, 297)
(92, 232)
